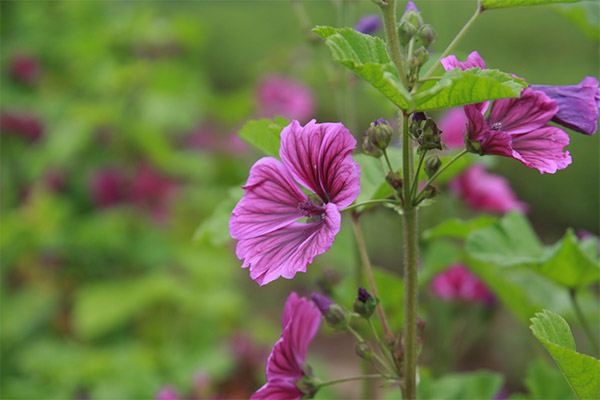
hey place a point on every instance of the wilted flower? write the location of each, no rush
(368, 24)
(108, 187)
(577, 104)
(486, 192)
(272, 242)
(285, 365)
(457, 283)
(20, 124)
(279, 95)
(25, 69)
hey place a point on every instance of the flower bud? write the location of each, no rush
(363, 350)
(430, 192)
(308, 385)
(432, 164)
(427, 35)
(369, 149)
(430, 136)
(394, 180)
(406, 31)
(422, 55)
(413, 63)
(365, 303)
(333, 313)
(380, 134)
(413, 15)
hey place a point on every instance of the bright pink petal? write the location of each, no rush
(453, 125)
(492, 141)
(289, 249)
(319, 157)
(272, 200)
(543, 149)
(474, 60)
(532, 110)
(278, 389)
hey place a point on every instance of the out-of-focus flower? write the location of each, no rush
(25, 69)
(109, 187)
(457, 283)
(151, 190)
(285, 365)
(167, 393)
(486, 192)
(20, 124)
(272, 242)
(410, 6)
(246, 351)
(279, 95)
(453, 125)
(55, 180)
(577, 104)
(368, 24)
(517, 128)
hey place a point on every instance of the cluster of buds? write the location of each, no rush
(377, 138)
(415, 36)
(425, 131)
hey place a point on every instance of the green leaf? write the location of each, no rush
(457, 228)
(457, 88)
(263, 134)
(488, 4)
(544, 381)
(582, 372)
(474, 385)
(366, 56)
(568, 264)
(438, 255)
(215, 228)
(371, 178)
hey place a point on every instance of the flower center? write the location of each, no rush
(496, 126)
(312, 206)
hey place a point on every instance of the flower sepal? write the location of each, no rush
(474, 146)
(309, 385)
(365, 303)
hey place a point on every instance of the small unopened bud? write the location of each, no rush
(427, 35)
(363, 350)
(430, 192)
(432, 164)
(413, 15)
(413, 63)
(406, 31)
(380, 134)
(422, 55)
(369, 149)
(394, 180)
(333, 313)
(430, 136)
(365, 303)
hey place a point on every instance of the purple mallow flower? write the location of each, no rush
(486, 192)
(279, 95)
(368, 24)
(453, 125)
(272, 240)
(474, 60)
(577, 104)
(457, 283)
(300, 323)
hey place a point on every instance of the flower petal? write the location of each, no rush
(492, 142)
(453, 125)
(289, 249)
(272, 200)
(542, 149)
(278, 389)
(532, 110)
(474, 60)
(319, 157)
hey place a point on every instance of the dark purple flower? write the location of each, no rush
(23, 125)
(300, 323)
(517, 128)
(368, 24)
(279, 95)
(25, 69)
(108, 188)
(272, 242)
(167, 393)
(486, 192)
(457, 283)
(577, 104)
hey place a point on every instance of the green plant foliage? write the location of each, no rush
(215, 228)
(586, 15)
(456, 88)
(474, 385)
(367, 57)
(544, 381)
(582, 372)
(488, 4)
(439, 254)
(263, 134)
(458, 228)
(372, 183)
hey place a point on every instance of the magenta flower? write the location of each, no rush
(300, 323)
(453, 125)
(486, 192)
(517, 128)
(272, 242)
(474, 60)
(577, 104)
(368, 24)
(279, 95)
(22, 125)
(457, 283)
(25, 69)
(151, 190)
(167, 393)
(108, 188)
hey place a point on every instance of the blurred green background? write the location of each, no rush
(118, 142)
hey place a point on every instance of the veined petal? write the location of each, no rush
(289, 249)
(278, 389)
(272, 200)
(532, 110)
(492, 142)
(543, 149)
(474, 60)
(319, 157)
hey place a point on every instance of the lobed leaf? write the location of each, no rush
(488, 4)
(581, 371)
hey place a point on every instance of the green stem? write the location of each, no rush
(362, 248)
(353, 378)
(411, 256)
(382, 348)
(387, 160)
(388, 9)
(413, 189)
(583, 321)
(438, 173)
(453, 44)
(376, 201)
